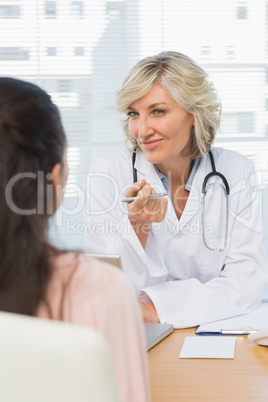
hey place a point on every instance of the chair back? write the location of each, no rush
(46, 361)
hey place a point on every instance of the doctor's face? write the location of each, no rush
(161, 127)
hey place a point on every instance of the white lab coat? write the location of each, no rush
(188, 283)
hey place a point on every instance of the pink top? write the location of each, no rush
(98, 295)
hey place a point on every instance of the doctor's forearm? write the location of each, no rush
(149, 312)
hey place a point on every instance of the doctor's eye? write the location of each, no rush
(132, 114)
(158, 111)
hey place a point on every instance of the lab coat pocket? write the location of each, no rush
(213, 262)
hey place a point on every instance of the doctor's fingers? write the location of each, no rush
(135, 188)
(158, 211)
(152, 211)
(142, 198)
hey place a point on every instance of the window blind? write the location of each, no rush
(80, 51)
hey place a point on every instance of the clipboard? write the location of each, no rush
(244, 324)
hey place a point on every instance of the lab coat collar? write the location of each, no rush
(144, 167)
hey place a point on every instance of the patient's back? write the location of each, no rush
(100, 296)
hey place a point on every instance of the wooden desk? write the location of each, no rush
(244, 378)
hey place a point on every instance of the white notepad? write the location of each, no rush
(255, 321)
(209, 347)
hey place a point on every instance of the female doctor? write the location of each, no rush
(194, 255)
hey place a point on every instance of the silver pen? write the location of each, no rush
(152, 197)
(237, 332)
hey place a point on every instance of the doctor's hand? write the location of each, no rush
(149, 312)
(142, 211)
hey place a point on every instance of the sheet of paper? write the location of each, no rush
(208, 347)
(257, 320)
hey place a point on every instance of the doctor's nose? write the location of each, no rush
(145, 129)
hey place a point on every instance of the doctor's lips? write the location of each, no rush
(149, 145)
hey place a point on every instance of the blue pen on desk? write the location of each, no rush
(152, 197)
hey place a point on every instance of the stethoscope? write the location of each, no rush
(204, 192)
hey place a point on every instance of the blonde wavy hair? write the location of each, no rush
(189, 86)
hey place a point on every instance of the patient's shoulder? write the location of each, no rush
(90, 277)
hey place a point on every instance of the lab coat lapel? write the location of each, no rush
(193, 205)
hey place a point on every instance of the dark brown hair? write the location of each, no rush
(32, 141)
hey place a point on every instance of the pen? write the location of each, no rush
(237, 332)
(152, 197)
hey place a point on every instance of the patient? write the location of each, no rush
(36, 279)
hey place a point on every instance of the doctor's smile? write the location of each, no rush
(149, 145)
